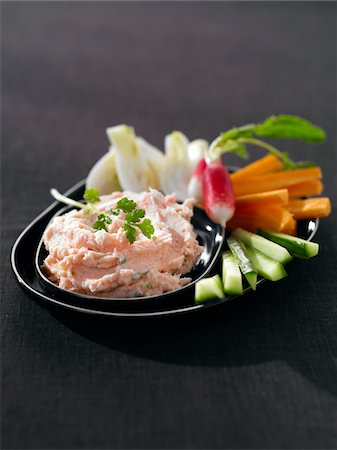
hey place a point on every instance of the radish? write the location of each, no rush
(195, 184)
(218, 193)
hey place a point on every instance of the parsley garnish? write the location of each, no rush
(132, 218)
(126, 205)
(102, 222)
(92, 195)
(146, 228)
(130, 223)
(135, 215)
(130, 232)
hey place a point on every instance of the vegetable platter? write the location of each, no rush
(252, 221)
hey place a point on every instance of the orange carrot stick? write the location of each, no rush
(277, 197)
(277, 180)
(274, 218)
(267, 164)
(306, 189)
(310, 208)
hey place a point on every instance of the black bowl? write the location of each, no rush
(209, 234)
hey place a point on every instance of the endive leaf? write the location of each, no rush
(134, 173)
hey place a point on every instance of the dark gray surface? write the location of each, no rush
(257, 373)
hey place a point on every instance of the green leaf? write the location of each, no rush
(290, 127)
(220, 146)
(235, 147)
(130, 232)
(92, 195)
(305, 164)
(298, 164)
(126, 205)
(114, 212)
(101, 222)
(236, 133)
(135, 215)
(146, 228)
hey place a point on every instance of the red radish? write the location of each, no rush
(195, 185)
(218, 193)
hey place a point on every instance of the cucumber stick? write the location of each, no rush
(297, 247)
(208, 288)
(265, 246)
(231, 275)
(265, 266)
(239, 252)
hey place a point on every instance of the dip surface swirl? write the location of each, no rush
(105, 263)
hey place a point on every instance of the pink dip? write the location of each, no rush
(105, 264)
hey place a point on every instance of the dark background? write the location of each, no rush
(257, 373)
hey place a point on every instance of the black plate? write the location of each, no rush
(28, 253)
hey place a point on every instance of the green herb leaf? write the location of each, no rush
(221, 145)
(281, 126)
(146, 228)
(135, 215)
(92, 195)
(289, 165)
(235, 133)
(235, 147)
(130, 232)
(114, 212)
(126, 205)
(290, 127)
(102, 222)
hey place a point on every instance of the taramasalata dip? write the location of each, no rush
(106, 264)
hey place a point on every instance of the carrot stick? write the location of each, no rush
(277, 180)
(306, 189)
(310, 208)
(277, 197)
(274, 218)
(269, 163)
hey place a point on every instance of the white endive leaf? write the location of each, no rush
(154, 158)
(103, 174)
(134, 173)
(197, 150)
(181, 159)
(176, 148)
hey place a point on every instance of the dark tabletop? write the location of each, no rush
(259, 372)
